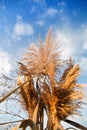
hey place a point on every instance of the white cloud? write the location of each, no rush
(84, 36)
(83, 64)
(22, 29)
(65, 41)
(19, 18)
(51, 12)
(5, 65)
(74, 44)
(40, 23)
(8, 42)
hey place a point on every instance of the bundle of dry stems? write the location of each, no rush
(52, 84)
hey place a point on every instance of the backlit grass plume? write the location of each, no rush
(52, 83)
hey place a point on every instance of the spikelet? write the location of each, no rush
(29, 96)
(19, 80)
(68, 97)
(71, 77)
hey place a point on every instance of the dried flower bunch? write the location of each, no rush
(52, 83)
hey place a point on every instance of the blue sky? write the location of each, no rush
(23, 21)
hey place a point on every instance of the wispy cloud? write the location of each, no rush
(5, 65)
(40, 23)
(83, 64)
(84, 36)
(22, 29)
(51, 12)
(74, 44)
(33, 9)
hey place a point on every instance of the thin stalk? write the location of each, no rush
(5, 123)
(27, 123)
(14, 90)
(75, 124)
(49, 123)
(41, 119)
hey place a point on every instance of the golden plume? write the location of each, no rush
(41, 65)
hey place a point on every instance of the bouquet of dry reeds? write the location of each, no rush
(51, 87)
